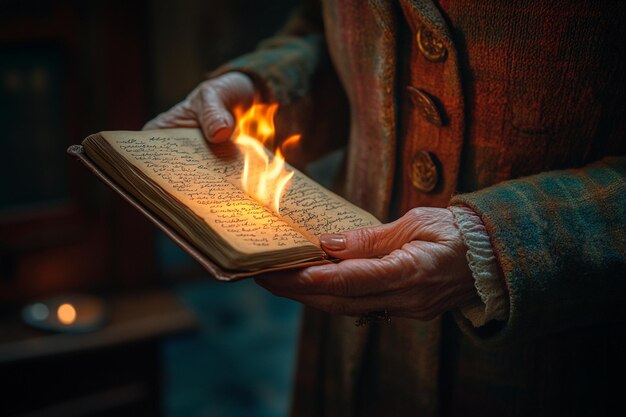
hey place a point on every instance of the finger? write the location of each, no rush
(178, 116)
(369, 242)
(216, 120)
(353, 277)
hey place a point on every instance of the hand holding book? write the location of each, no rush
(193, 191)
(414, 267)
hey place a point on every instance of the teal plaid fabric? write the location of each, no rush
(560, 241)
(287, 64)
(283, 66)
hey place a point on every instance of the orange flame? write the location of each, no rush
(263, 178)
(290, 143)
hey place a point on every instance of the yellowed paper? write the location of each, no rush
(206, 179)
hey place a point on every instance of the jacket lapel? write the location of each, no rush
(362, 41)
(361, 38)
(426, 13)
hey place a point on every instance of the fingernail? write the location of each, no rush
(220, 135)
(333, 241)
(217, 125)
(317, 271)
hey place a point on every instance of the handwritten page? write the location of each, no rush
(316, 210)
(180, 162)
(306, 205)
(207, 180)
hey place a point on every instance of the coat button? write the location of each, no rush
(423, 172)
(426, 106)
(431, 46)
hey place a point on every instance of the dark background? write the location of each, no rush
(72, 68)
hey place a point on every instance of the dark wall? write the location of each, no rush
(69, 68)
(191, 37)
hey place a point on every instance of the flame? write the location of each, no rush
(290, 143)
(263, 178)
(66, 313)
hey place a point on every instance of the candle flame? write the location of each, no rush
(264, 178)
(66, 313)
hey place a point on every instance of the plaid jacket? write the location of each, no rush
(516, 108)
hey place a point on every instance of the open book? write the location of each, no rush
(192, 190)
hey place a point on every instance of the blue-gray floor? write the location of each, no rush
(241, 361)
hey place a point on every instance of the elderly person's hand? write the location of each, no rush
(414, 267)
(209, 106)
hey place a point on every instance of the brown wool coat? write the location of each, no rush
(444, 98)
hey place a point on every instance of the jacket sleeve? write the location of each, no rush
(282, 67)
(560, 242)
(293, 69)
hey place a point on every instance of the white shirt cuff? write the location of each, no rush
(492, 302)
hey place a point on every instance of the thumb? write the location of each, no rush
(367, 242)
(219, 97)
(216, 120)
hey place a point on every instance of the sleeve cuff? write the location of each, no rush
(492, 302)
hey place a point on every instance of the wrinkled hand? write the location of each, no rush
(209, 106)
(422, 270)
